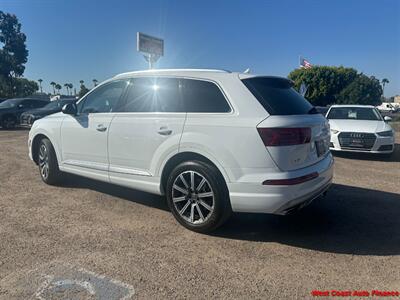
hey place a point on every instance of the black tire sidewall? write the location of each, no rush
(221, 195)
(54, 171)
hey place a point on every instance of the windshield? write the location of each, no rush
(9, 103)
(277, 96)
(354, 113)
(52, 105)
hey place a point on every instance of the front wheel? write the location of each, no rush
(197, 196)
(47, 161)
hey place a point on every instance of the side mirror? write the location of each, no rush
(70, 109)
(387, 119)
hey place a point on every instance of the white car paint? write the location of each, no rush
(360, 126)
(132, 152)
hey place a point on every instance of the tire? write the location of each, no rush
(8, 122)
(48, 164)
(202, 206)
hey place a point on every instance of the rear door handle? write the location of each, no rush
(164, 131)
(101, 128)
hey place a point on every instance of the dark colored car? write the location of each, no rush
(30, 116)
(322, 110)
(11, 110)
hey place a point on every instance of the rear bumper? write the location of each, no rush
(257, 198)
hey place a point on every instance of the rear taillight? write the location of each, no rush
(285, 136)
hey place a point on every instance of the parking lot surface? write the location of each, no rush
(92, 240)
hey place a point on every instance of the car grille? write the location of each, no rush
(357, 140)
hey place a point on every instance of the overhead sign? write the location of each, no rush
(150, 44)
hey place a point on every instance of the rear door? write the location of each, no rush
(147, 129)
(294, 134)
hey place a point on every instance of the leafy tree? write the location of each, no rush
(14, 54)
(70, 85)
(66, 85)
(58, 87)
(384, 82)
(83, 90)
(327, 85)
(40, 85)
(53, 84)
(323, 82)
(363, 90)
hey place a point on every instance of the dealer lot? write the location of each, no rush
(349, 240)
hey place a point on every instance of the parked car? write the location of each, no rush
(322, 109)
(11, 110)
(30, 116)
(360, 128)
(387, 107)
(211, 141)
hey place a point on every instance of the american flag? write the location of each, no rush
(305, 63)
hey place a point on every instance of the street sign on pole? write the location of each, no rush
(152, 47)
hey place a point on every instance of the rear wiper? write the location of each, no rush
(312, 111)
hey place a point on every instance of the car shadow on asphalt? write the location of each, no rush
(349, 220)
(155, 201)
(394, 157)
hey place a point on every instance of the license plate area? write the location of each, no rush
(356, 143)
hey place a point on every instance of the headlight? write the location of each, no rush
(385, 133)
(334, 131)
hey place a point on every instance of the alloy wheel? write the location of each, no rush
(193, 197)
(44, 161)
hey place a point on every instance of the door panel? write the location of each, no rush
(148, 130)
(84, 137)
(136, 140)
(84, 140)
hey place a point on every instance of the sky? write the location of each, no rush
(72, 40)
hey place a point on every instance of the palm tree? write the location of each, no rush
(66, 85)
(384, 82)
(81, 82)
(53, 84)
(70, 85)
(58, 87)
(95, 82)
(40, 84)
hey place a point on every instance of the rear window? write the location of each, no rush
(203, 97)
(277, 96)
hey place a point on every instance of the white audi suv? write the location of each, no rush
(211, 141)
(360, 128)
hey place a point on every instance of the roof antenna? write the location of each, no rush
(247, 71)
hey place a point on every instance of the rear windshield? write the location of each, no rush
(277, 96)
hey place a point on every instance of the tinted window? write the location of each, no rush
(354, 113)
(104, 99)
(203, 96)
(38, 103)
(277, 96)
(150, 94)
(33, 103)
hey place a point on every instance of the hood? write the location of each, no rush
(359, 125)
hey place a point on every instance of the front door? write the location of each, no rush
(84, 137)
